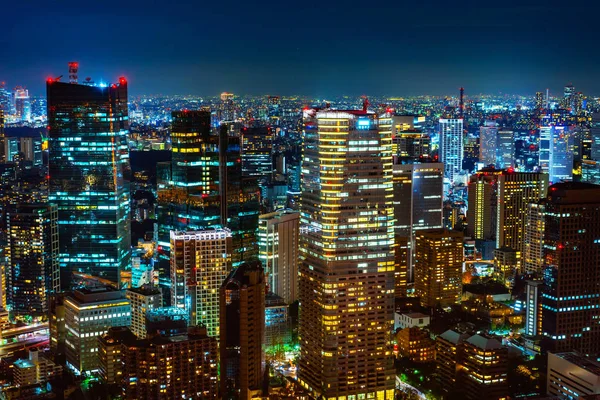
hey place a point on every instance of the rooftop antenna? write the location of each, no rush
(73, 67)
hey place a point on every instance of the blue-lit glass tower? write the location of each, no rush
(89, 178)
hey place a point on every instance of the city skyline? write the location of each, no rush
(276, 48)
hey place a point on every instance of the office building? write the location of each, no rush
(160, 367)
(484, 364)
(556, 152)
(507, 265)
(32, 257)
(572, 376)
(35, 369)
(411, 320)
(278, 328)
(22, 104)
(451, 151)
(418, 203)
(257, 152)
(483, 203)
(571, 298)
(505, 153)
(278, 236)
(415, 344)
(438, 267)
(533, 308)
(89, 313)
(89, 177)
(166, 321)
(242, 332)
(590, 172)
(142, 299)
(595, 134)
(533, 246)
(200, 262)
(347, 253)
(488, 143)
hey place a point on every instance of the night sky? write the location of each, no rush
(327, 48)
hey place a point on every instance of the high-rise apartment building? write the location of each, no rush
(257, 152)
(89, 313)
(200, 262)
(484, 363)
(161, 367)
(438, 267)
(571, 298)
(143, 299)
(488, 143)
(89, 177)
(347, 257)
(32, 255)
(278, 247)
(242, 332)
(418, 203)
(451, 150)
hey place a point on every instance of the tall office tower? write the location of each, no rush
(274, 110)
(31, 147)
(226, 111)
(569, 96)
(438, 267)
(89, 177)
(539, 100)
(556, 152)
(257, 152)
(505, 154)
(242, 332)
(483, 204)
(484, 370)
(89, 312)
(418, 203)
(6, 102)
(515, 191)
(161, 367)
(278, 244)
(347, 253)
(188, 186)
(32, 256)
(533, 308)
(22, 104)
(143, 299)
(200, 261)
(595, 133)
(488, 143)
(571, 299)
(451, 146)
(533, 241)
(411, 144)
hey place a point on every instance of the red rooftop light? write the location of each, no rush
(122, 80)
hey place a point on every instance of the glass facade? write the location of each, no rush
(89, 178)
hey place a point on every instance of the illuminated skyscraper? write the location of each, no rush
(533, 246)
(488, 143)
(571, 298)
(505, 154)
(451, 150)
(200, 262)
(418, 203)
(438, 267)
(89, 177)
(243, 332)
(278, 236)
(143, 299)
(347, 258)
(556, 152)
(22, 104)
(32, 255)
(483, 202)
(257, 158)
(515, 191)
